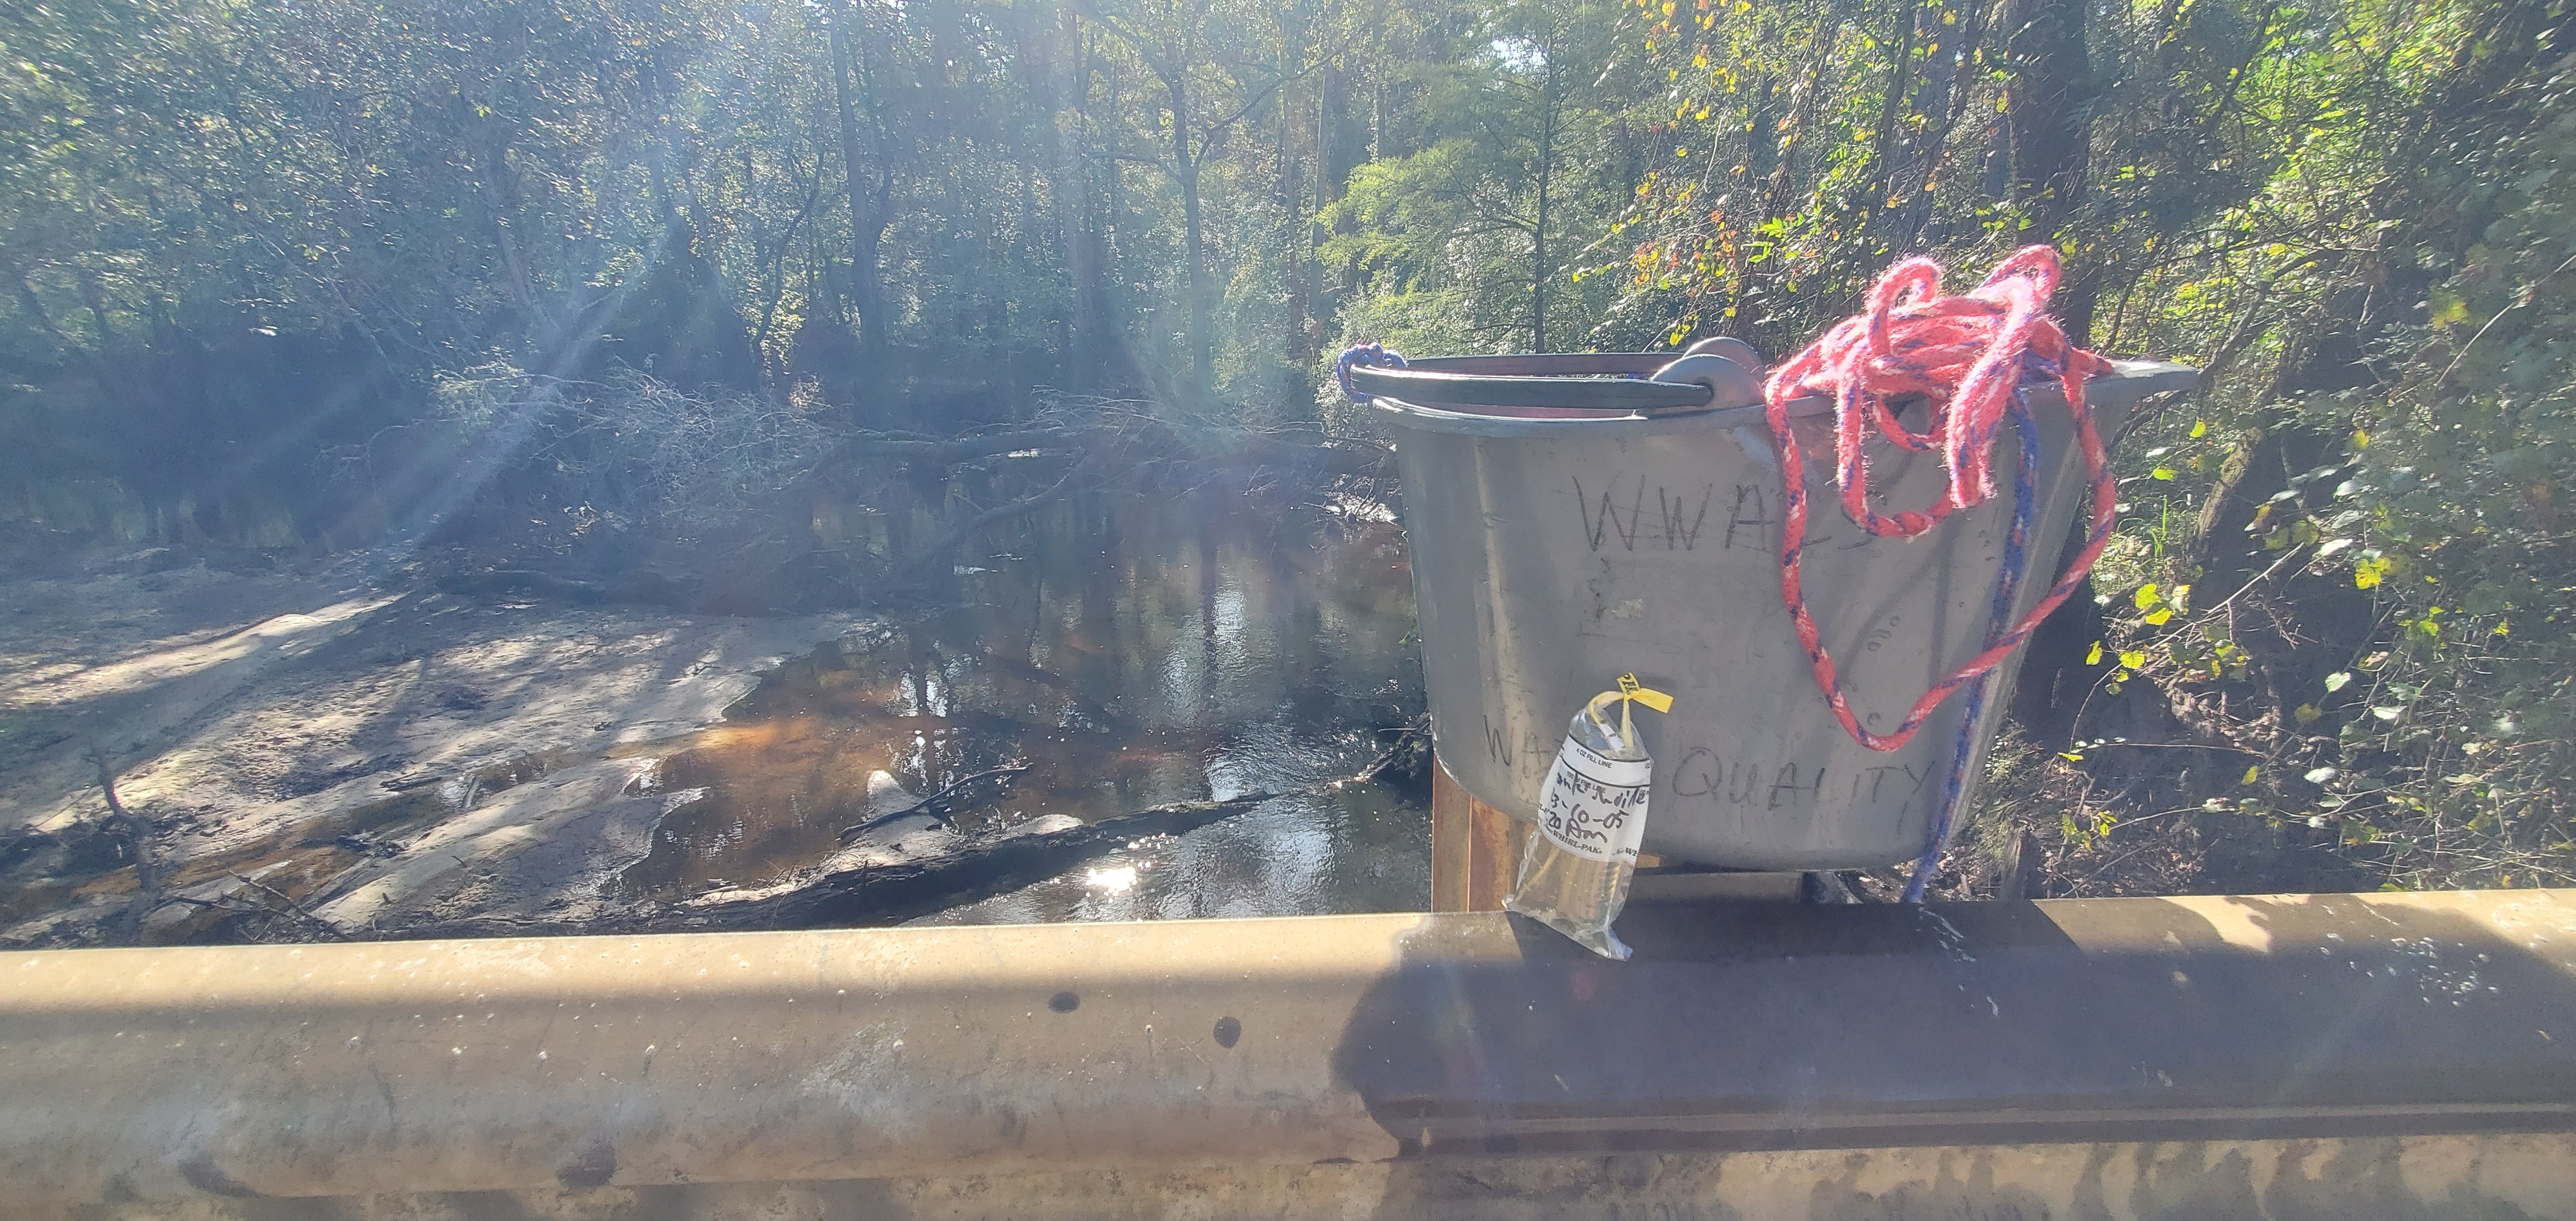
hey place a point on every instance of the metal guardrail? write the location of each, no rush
(2355, 1054)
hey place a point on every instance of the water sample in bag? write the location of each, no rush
(1591, 817)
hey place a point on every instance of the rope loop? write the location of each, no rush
(1971, 358)
(1371, 354)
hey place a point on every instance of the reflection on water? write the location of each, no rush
(1357, 850)
(1139, 654)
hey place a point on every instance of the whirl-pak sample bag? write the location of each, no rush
(1591, 817)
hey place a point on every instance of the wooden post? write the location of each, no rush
(1475, 849)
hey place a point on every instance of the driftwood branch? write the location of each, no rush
(238, 905)
(292, 907)
(137, 833)
(933, 804)
(961, 449)
(1025, 505)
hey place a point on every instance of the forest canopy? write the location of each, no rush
(264, 264)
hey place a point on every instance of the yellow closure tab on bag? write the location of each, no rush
(1630, 689)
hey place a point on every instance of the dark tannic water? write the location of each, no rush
(1140, 653)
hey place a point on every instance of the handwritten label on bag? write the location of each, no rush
(1595, 807)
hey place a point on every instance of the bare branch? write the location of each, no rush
(291, 905)
(1002, 512)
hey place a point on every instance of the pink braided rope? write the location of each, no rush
(1967, 354)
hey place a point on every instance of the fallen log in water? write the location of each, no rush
(868, 895)
(875, 895)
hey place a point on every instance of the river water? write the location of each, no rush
(1132, 653)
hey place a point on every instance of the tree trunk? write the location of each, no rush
(1942, 104)
(867, 205)
(514, 265)
(1538, 219)
(1072, 206)
(1332, 109)
(1292, 205)
(1887, 143)
(2046, 100)
(2045, 111)
(1185, 173)
(1109, 237)
(1378, 147)
(1802, 105)
(1762, 133)
(1202, 349)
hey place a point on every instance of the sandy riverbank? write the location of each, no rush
(340, 735)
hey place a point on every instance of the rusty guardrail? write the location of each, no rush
(2111, 1057)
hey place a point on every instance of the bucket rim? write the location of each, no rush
(2128, 383)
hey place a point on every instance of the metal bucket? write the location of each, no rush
(1557, 545)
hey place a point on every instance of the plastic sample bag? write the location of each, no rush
(1591, 816)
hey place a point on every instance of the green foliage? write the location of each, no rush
(2354, 217)
(1526, 158)
(2390, 328)
(2449, 515)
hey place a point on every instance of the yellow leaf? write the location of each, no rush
(2070, 756)
(2134, 659)
(2147, 598)
(2361, 438)
(2253, 774)
(2308, 712)
(2199, 429)
(2157, 619)
(2094, 658)
(2162, 472)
